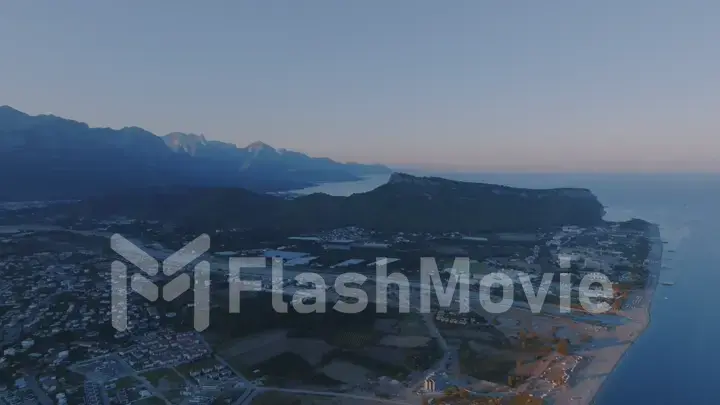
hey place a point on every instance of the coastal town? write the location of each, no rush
(59, 345)
(359, 203)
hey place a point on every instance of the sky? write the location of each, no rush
(561, 85)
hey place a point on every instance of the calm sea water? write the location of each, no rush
(677, 358)
(346, 188)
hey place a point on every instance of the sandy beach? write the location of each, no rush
(609, 347)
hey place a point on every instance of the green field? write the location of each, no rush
(290, 367)
(163, 376)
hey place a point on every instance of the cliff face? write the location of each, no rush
(406, 203)
(420, 203)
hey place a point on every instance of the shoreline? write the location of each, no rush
(603, 362)
(651, 288)
(341, 188)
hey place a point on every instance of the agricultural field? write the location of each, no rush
(161, 378)
(168, 382)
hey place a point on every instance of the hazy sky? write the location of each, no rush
(504, 85)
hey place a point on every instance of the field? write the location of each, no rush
(405, 341)
(149, 401)
(289, 368)
(126, 382)
(346, 372)
(353, 339)
(248, 352)
(485, 363)
(301, 348)
(279, 398)
(163, 379)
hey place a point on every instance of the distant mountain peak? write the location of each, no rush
(398, 177)
(7, 108)
(12, 119)
(7, 111)
(187, 142)
(259, 146)
(187, 137)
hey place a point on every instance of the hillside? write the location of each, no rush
(406, 203)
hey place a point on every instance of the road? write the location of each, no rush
(334, 394)
(440, 365)
(247, 397)
(42, 397)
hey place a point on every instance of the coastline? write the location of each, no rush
(604, 361)
(650, 291)
(342, 188)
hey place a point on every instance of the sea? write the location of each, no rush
(677, 358)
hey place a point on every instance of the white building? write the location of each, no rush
(26, 344)
(429, 385)
(572, 229)
(564, 260)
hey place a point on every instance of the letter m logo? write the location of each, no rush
(148, 265)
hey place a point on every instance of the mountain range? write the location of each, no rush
(48, 157)
(185, 178)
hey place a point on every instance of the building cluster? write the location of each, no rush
(94, 393)
(607, 250)
(18, 394)
(457, 318)
(164, 348)
(214, 377)
(55, 309)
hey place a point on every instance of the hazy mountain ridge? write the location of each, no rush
(261, 154)
(49, 157)
(405, 203)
